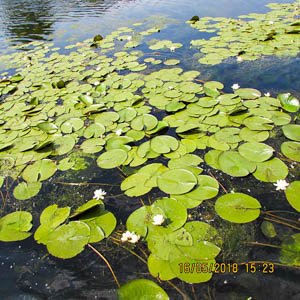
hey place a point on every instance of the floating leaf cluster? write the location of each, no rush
(250, 36)
(166, 126)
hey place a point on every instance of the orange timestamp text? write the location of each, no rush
(222, 267)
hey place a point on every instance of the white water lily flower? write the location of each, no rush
(125, 236)
(172, 49)
(99, 194)
(158, 219)
(235, 86)
(134, 238)
(129, 38)
(119, 131)
(267, 94)
(281, 184)
(98, 69)
(130, 237)
(96, 83)
(239, 59)
(271, 22)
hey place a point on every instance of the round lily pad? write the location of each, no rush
(291, 150)
(164, 144)
(292, 132)
(257, 152)
(271, 170)
(142, 289)
(24, 191)
(237, 208)
(234, 164)
(112, 159)
(292, 195)
(15, 226)
(68, 240)
(177, 181)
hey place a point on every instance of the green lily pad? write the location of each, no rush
(142, 289)
(234, 164)
(237, 208)
(292, 195)
(39, 171)
(290, 250)
(289, 102)
(177, 181)
(271, 170)
(171, 62)
(63, 144)
(164, 144)
(268, 229)
(24, 191)
(291, 150)
(112, 159)
(92, 145)
(71, 125)
(207, 188)
(68, 240)
(257, 152)
(15, 226)
(292, 132)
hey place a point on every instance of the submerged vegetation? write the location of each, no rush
(162, 129)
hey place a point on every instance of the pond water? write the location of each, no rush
(27, 271)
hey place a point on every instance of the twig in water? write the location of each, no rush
(107, 263)
(222, 186)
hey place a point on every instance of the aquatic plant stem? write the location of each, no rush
(185, 297)
(283, 223)
(107, 263)
(84, 183)
(221, 185)
(132, 252)
(280, 218)
(263, 244)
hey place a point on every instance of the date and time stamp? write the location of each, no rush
(222, 268)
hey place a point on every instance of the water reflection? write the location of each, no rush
(27, 20)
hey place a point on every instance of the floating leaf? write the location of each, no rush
(237, 208)
(232, 163)
(68, 240)
(257, 152)
(39, 171)
(291, 150)
(164, 144)
(290, 250)
(141, 289)
(112, 159)
(271, 170)
(24, 191)
(292, 195)
(292, 132)
(15, 226)
(177, 181)
(268, 229)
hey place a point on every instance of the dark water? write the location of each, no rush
(26, 272)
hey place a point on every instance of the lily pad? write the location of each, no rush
(257, 152)
(24, 191)
(271, 170)
(164, 144)
(292, 132)
(292, 195)
(237, 208)
(15, 226)
(177, 181)
(68, 240)
(142, 289)
(112, 159)
(291, 150)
